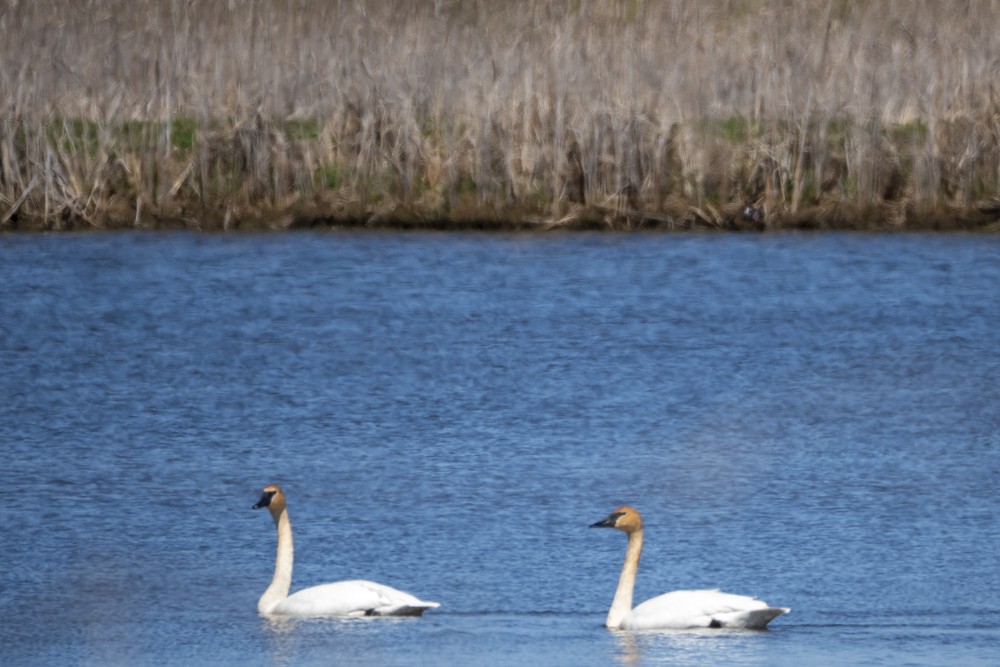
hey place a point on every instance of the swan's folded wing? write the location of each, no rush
(393, 602)
(751, 619)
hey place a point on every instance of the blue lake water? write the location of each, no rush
(811, 419)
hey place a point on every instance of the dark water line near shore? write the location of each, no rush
(984, 219)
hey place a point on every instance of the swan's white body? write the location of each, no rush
(679, 610)
(342, 598)
(355, 597)
(699, 609)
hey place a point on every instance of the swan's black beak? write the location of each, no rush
(264, 501)
(608, 522)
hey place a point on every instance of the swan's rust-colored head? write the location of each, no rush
(273, 499)
(626, 519)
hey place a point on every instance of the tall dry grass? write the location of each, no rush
(617, 113)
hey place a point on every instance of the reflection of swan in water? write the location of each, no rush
(691, 646)
(679, 609)
(341, 598)
(628, 649)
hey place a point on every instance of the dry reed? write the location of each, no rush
(599, 113)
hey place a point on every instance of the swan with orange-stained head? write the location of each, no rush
(678, 610)
(342, 598)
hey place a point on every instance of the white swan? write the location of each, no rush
(679, 609)
(342, 598)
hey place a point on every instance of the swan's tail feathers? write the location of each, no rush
(755, 619)
(403, 609)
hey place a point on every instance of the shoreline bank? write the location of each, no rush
(686, 219)
(259, 173)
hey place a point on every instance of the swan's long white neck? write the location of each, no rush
(282, 580)
(622, 604)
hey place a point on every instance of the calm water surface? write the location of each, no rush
(812, 419)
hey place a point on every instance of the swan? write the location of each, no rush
(342, 598)
(680, 609)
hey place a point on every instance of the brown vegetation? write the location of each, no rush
(614, 114)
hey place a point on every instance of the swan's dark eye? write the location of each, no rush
(615, 516)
